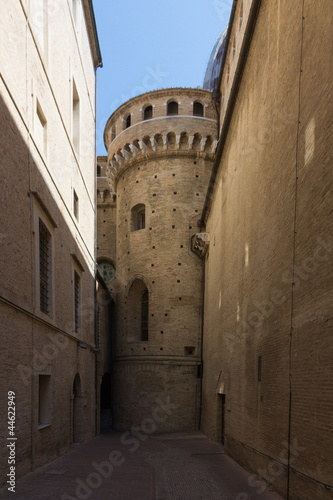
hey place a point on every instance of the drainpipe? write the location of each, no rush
(95, 254)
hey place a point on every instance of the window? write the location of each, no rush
(198, 109)
(43, 234)
(41, 129)
(113, 134)
(127, 121)
(98, 171)
(259, 368)
(44, 401)
(172, 108)
(144, 316)
(138, 217)
(76, 205)
(77, 301)
(76, 119)
(45, 269)
(106, 270)
(148, 113)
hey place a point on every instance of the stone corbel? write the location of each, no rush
(153, 143)
(214, 145)
(177, 141)
(119, 159)
(165, 142)
(143, 146)
(126, 154)
(203, 144)
(190, 141)
(134, 150)
(200, 244)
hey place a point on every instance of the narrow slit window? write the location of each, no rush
(44, 400)
(41, 129)
(76, 205)
(45, 268)
(76, 119)
(127, 122)
(77, 299)
(144, 316)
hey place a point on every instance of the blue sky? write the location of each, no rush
(151, 44)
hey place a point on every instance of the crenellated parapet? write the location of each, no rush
(177, 122)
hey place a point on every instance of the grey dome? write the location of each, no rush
(212, 75)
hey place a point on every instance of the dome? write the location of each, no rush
(215, 62)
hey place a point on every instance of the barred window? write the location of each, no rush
(77, 285)
(45, 268)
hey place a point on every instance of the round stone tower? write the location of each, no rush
(160, 151)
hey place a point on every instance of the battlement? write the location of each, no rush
(177, 121)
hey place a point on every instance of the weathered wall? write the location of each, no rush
(267, 273)
(38, 179)
(170, 179)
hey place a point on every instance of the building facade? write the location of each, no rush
(267, 343)
(237, 239)
(160, 151)
(48, 184)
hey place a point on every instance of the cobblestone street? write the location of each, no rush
(122, 467)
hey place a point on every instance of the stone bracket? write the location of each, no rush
(200, 244)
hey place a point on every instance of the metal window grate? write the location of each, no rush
(144, 316)
(44, 267)
(76, 301)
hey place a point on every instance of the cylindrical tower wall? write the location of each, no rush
(160, 170)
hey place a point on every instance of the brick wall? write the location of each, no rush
(171, 183)
(271, 199)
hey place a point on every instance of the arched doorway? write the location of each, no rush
(77, 410)
(106, 416)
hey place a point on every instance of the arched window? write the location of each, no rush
(148, 113)
(127, 121)
(138, 217)
(172, 108)
(144, 316)
(198, 109)
(138, 312)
